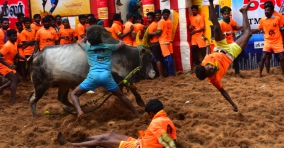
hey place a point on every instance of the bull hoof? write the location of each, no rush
(140, 102)
(61, 139)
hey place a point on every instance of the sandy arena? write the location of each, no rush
(202, 116)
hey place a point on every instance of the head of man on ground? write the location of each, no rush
(208, 70)
(153, 107)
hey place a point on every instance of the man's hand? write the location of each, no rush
(192, 32)
(131, 28)
(191, 27)
(12, 66)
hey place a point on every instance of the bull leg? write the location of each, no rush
(36, 95)
(137, 96)
(63, 96)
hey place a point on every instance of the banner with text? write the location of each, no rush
(14, 7)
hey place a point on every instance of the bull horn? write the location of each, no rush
(138, 38)
(145, 38)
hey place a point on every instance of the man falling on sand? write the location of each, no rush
(215, 65)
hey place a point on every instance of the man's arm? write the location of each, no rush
(167, 141)
(121, 36)
(5, 63)
(255, 31)
(237, 27)
(4, 9)
(18, 56)
(196, 31)
(82, 43)
(228, 98)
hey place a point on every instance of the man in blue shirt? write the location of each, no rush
(134, 6)
(99, 59)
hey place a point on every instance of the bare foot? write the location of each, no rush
(118, 3)
(80, 115)
(245, 8)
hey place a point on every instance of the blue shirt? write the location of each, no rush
(99, 56)
(131, 4)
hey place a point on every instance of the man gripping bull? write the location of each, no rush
(99, 59)
(215, 65)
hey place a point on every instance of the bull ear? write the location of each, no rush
(137, 38)
(145, 38)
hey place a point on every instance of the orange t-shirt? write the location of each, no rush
(222, 61)
(162, 25)
(9, 51)
(225, 27)
(61, 26)
(80, 30)
(20, 50)
(275, 13)
(116, 29)
(46, 37)
(153, 28)
(197, 22)
(169, 30)
(69, 35)
(137, 27)
(2, 36)
(128, 39)
(159, 125)
(271, 27)
(27, 36)
(35, 26)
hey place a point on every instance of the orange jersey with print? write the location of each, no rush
(162, 25)
(68, 33)
(169, 30)
(80, 30)
(9, 51)
(225, 27)
(116, 29)
(20, 50)
(2, 36)
(137, 27)
(197, 22)
(26, 36)
(275, 13)
(127, 39)
(222, 61)
(35, 26)
(159, 125)
(46, 37)
(153, 28)
(271, 27)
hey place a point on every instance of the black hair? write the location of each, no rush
(18, 24)
(58, 16)
(154, 106)
(200, 72)
(46, 19)
(4, 19)
(269, 6)
(92, 20)
(11, 32)
(225, 8)
(81, 16)
(268, 3)
(116, 17)
(152, 14)
(194, 7)
(94, 38)
(129, 16)
(36, 16)
(26, 19)
(166, 11)
(158, 11)
(20, 15)
(91, 15)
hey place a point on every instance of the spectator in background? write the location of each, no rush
(20, 63)
(101, 23)
(197, 27)
(116, 28)
(3, 39)
(134, 6)
(36, 24)
(166, 15)
(20, 17)
(89, 16)
(138, 26)
(80, 29)
(66, 35)
(228, 27)
(46, 36)
(92, 21)
(154, 42)
(126, 28)
(59, 21)
(53, 24)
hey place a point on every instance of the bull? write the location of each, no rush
(66, 66)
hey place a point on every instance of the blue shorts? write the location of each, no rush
(97, 79)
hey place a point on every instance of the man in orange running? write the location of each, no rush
(215, 65)
(160, 133)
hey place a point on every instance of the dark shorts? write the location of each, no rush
(157, 52)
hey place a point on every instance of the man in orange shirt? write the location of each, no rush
(81, 27)
(215, 65)
(66, 35)
(126, 28)
(160, 133)
(53, 23)
(3, 31)
(36, 24)
(228, 27)
(155, 45)
(7, 55)
(59, 22)
(116, 28)
(197, 27)
(138, 26)
(162, 32)
(20, 63)
(46, 36)
(20, 17)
